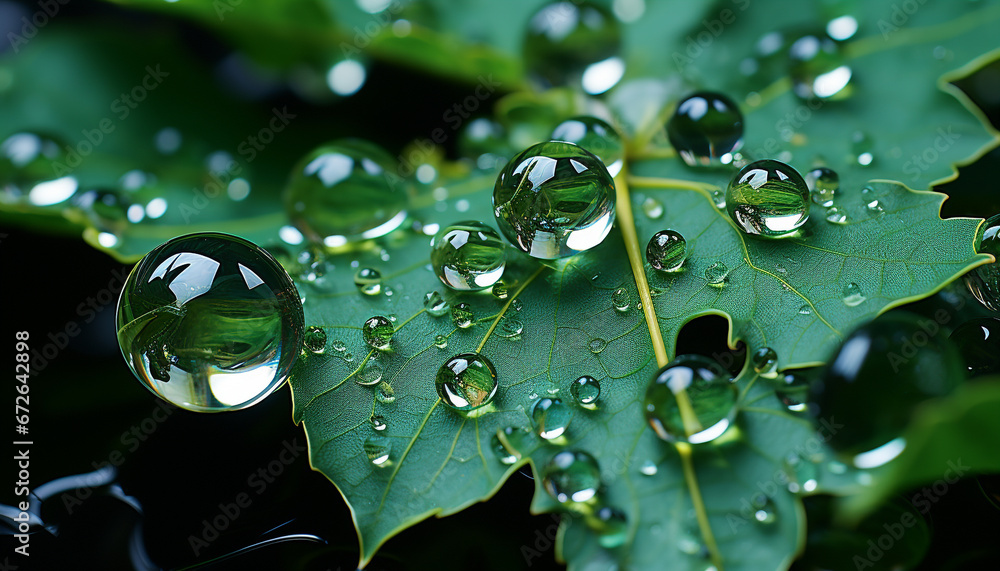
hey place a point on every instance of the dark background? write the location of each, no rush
(85, 399)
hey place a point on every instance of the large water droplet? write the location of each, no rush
(566, 41)
(210, 322)
(817, 68)
(466, 382)
(585, 390)
(984, 281)
(315, 339)
(554, 200)
(768, 198)
(369, 281)
(551, 417)
(572, 478)
(666, 251)
(468, 256)
(707, 387)
(370, 374)
(596, 136)
(621, 300)
(461, 315)
(706, 129)
(852, 295)
(978, 341)
(377, 449)
(377, 332)
(716, 274)
(435, 304)
(765, 362)
(345, 190)
(823, 185)
(792, 390)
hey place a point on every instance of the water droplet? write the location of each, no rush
(516, 305)
(377, 332)
(805, 310)
(835, 467)
(648, 468)
(505, 456)
(554, 200)
(803, 474)
(314, 339)
(551, 417)
(666, 251)
(566, 40)
(984, 281)
(621, 300)
(338, 346)
(28, 166)
(466, 382)
(710, 391)
(870, 200)
(611, 526)
(652, 208)
(378, 422)
(468, 256)
(572, 478)
(210, 322)
(978, 341)
(597, 345)
(461, 315)
(105, 209)
(823, 185)
(385, 394)
(817, 68)
(343, 191)
(706, 129)
(585, 390)
(500, 290)
(440, 341)
(716, 274)
(793, 391)
(596, 136)
(370, 374)
(763, 509)
(861, 148)
(377, 449)
(719, 198)
(435, 304)
(369, 281)
(480, 137)
(836, 215)
(510, 327)
(765, 362)
(852, 295)
(768, 198)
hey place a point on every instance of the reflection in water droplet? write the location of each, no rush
(853, 295)
(506, 457)
(666, 251)
(621, 300)
(468, 256)
(338, 346)
(716, 274)
(597, 345)
(585, 390)
(510, 327)
(708, 389)
(719, 198)
(315, 339)
(370, 374)
(440, 341)
(369, 281)
(551, 417)
(466, 382)
(836, 215)
(461, 315)
(870, 200)
(377, 332)
(861, 148)
(652, 208)
(768, 198)
(817, 68)
(793, 391)
(378, 449)
(385, 394)
(500, 290)
(823, 185)
(435, 304)
(763, 509)
(706, 129)
(596, 136)
(378, 422)
(765, 362)
(572, 478)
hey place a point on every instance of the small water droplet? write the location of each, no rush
(585, 390)
(370, 374)
(551, 417)
(621, 300)
(853, 295)
(716, 274)
(315, 339)
(835, 467)
(505, 456)
(377, 332)
(572, 478)
(861, 148)
(803, 474)
(516, 305)
(378, 422)
(648, 468)
(666, 251)
(817, 68)
(378, 448)
(719, 198)
(805, 310)
(435, 304)
(765, 362)
(440, 341)
(466, 382)
(461, 315)
(763, 509)
(652, 208)
(836, 215)
(369, 281)
(385, 394)
(611, 526)
(597, 345)
(510, 327)
(706, 129)
(870, 200)
(793, 391)
(500, 290)
(823, 185)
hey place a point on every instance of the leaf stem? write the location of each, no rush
(626, 222)
(659, 182)
(503, 310)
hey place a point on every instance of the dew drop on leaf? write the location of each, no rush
(836, 216)
(862, 148)
(377, 332)
(370, 374)
(666, 251)
(706, 129)
(510, 327)
(28, 165)
(871, 201)
(652, 208)
(377, 449)
(768, 198)
(648, 468)
(369, 281)
(314, 339)
(210, 322)
(805, 310)
(338, 346)
(621, 300)
(539, 196)
(719, 198)
(551, 417)
(852, 295)
(596, 136)
(823, 185)
(378, 422)
(516, 305)
(765, 362)
(802, 474)
(817, 68)
(506, 457)
(597, 345)
(611, 526)
(572, 477)
(468, 256)
(792, 390)
(466, 382)
(709, 390)
(461, 315)
(763, 509)
(716, 274)
(435, 304)
(500, 290)
(567, 42)
(585, 390)
(385, 394)
(440, 341)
